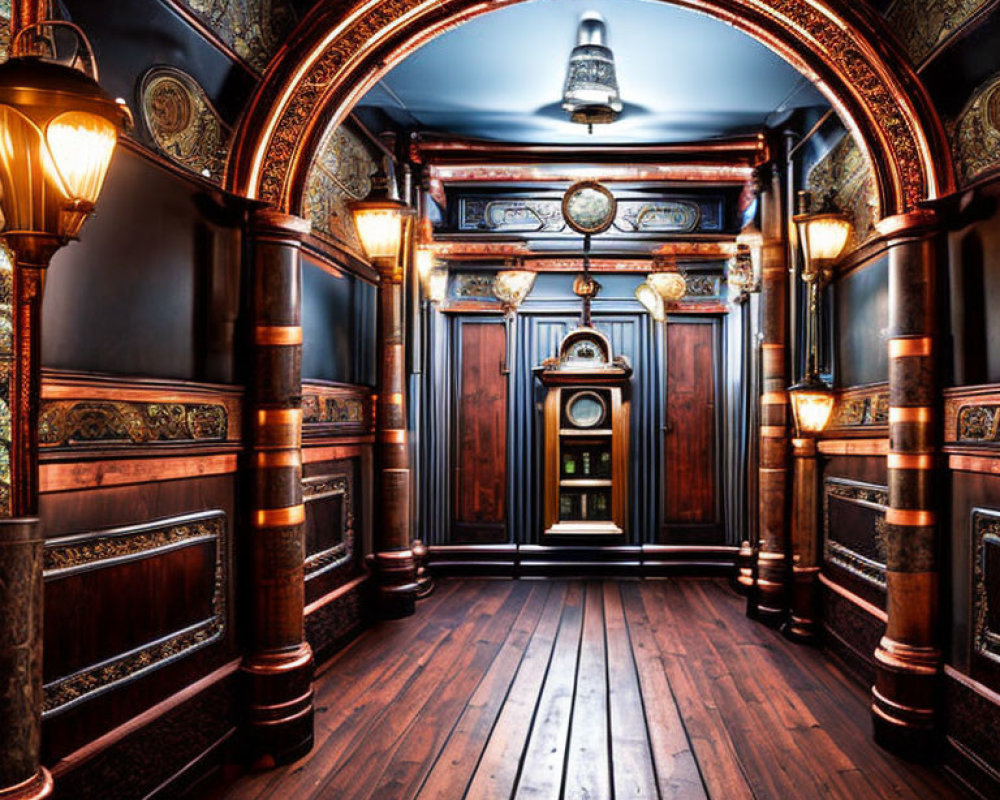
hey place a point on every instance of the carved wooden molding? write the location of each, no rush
(972, 415)
(985, 582)
(330, 409)
(861, 408)
(80, 411)
(871, 496)
(70, 555)
(975, 133)
(316, 81)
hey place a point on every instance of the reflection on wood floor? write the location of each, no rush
(573, 689)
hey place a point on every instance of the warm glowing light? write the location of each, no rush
(812, 405)
(81, 146)
(424, 261)
(437, 285)
(511, 286)
(671, 286)
(380, 228)
(823, 236)
(651, 300)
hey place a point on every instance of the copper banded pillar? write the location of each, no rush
(395, 567)
(768, 599)
(908, 660)
(803, 600)
(279, 668)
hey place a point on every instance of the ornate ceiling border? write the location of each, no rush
(345, 47)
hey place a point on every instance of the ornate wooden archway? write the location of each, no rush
(344, 48)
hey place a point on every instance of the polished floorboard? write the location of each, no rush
(586, 690)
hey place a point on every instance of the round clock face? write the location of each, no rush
(588, 207)
(585, 410)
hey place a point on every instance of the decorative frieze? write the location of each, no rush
(859, 409)
(252, 29)
(972, 415)
(544, 216)
(183, 122)
(845, 176)
(336, 408)
(922, 25)
(69, 423)
(70, 555)
(341, 172)
(975, 134)
(986, 582)
(857, 549)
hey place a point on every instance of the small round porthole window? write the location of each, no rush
(586, 410)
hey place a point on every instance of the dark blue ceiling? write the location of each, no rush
(683, 77)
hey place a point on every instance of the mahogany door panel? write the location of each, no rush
(690, 489)
(481, 434)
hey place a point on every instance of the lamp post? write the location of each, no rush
(382, 226)
(822, 238)
(58, 131)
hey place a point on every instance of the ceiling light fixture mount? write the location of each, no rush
(590, 94)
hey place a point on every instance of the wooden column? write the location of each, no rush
(803, 617)
(768, 600)
(279, 668)
(908, 660)
(394, 562)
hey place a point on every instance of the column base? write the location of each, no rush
(770, 593)
(742, 581)
(279, 720)
(904, 698)
(37, 787)
(425, 583)
(803, 622)
(397, 587)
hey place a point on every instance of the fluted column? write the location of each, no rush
(908, 660)
(395, 567)
(768, 600)
(803, 617)
(279, 668)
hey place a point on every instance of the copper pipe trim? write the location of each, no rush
(272, 459)
(277, 335)
(280, 517)
(907, 414)
(910, 461)
(909, 517)
(774, 399)
(393, 435)
(910, 348)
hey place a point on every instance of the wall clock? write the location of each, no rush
(588, 207)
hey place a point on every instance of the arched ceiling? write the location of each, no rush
(500, 76)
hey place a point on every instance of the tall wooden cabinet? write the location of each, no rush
(586, 438)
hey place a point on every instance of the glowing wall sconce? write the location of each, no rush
(380, 225)
(822, 237)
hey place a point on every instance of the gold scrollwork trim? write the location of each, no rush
(72, 554)
(861, 410)
(69, 423)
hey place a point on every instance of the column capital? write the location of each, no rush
(912, 223)
(268, 222)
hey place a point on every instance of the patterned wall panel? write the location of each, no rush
(76, 563)
(183, 123)
(854, 528)
(6, 365)
(253, 29)
(341, 172)
(972, 416)
(861, 408)
(329, 503)
(336, 410)
(922, 25)
(845, 175)
(986, 582)
(975, 134)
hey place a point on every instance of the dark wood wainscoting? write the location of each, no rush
(481, 434)
(691, 496)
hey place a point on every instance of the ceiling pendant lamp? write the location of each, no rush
(591, 91)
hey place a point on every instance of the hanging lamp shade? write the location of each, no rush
(590, 94)
(58, 131)
(812, 404)
(380, 227)
(511, 286)
(822, 238)
(651, 301)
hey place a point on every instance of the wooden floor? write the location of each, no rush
(531, 689)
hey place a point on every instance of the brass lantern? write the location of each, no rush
(380, 225)
(822, 238)
(58, 131)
